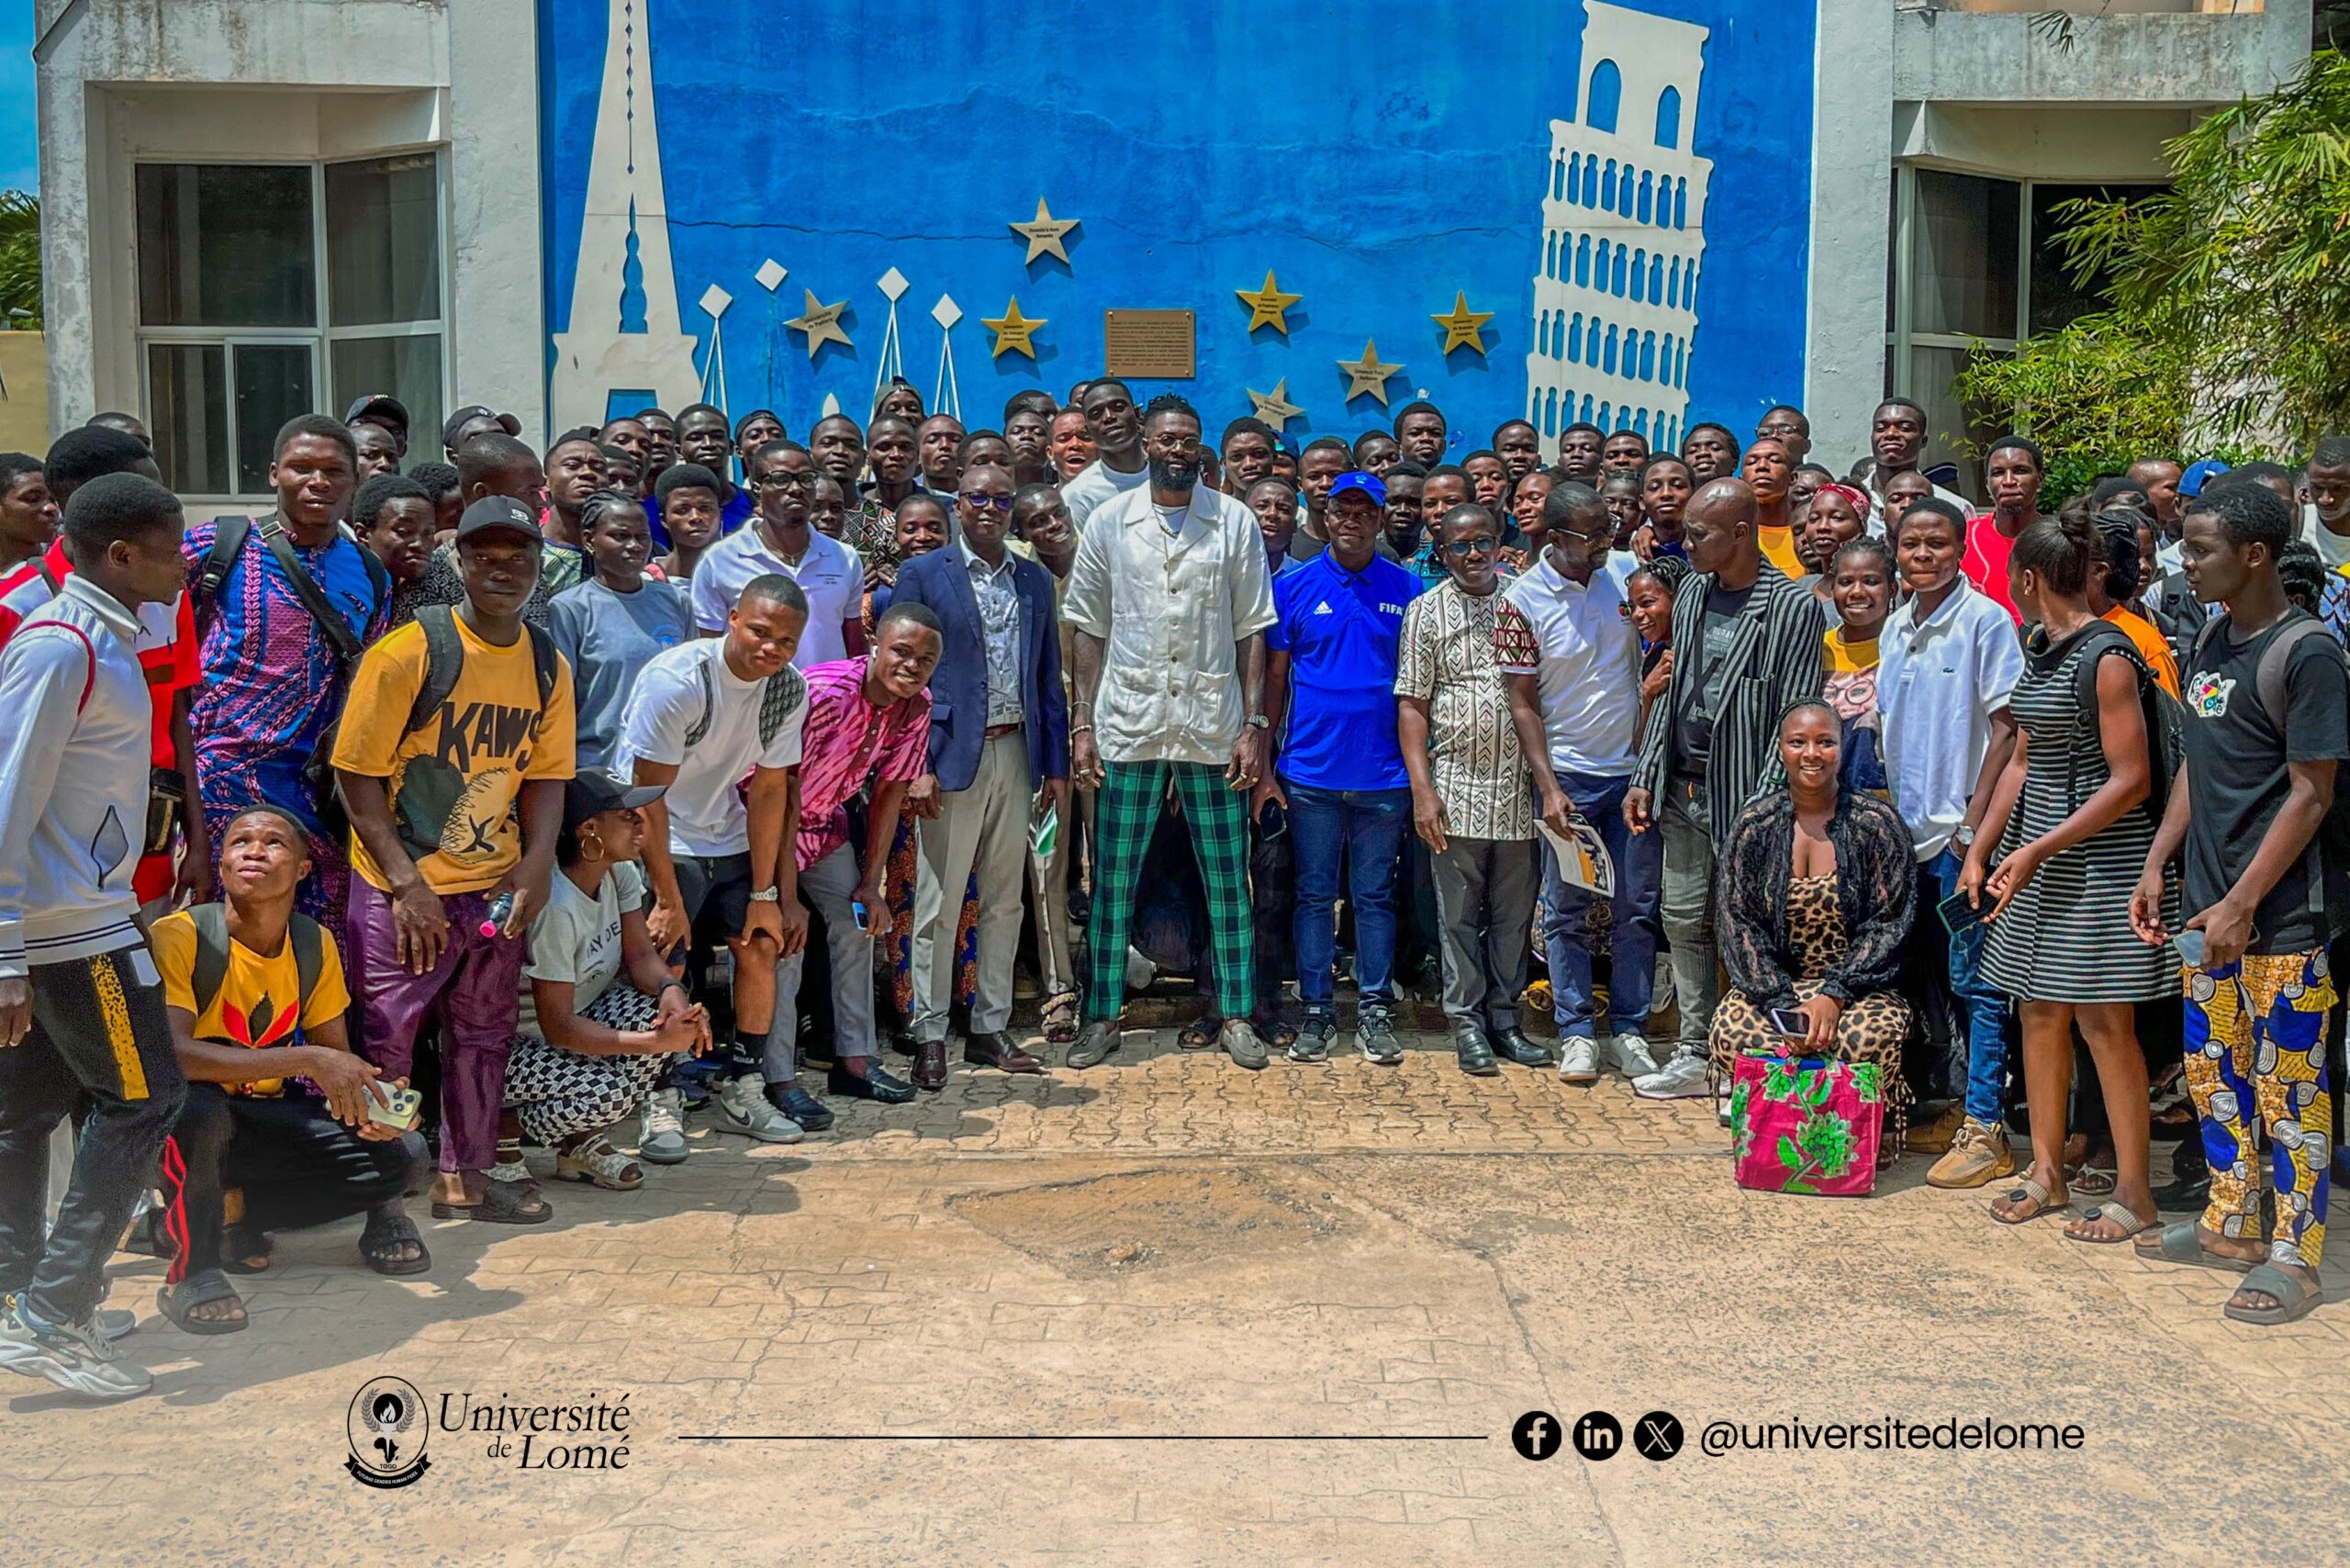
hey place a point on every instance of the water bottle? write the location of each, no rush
(501, 910)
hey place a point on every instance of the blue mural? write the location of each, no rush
(779, 204)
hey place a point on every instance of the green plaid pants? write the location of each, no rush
(1219, 822)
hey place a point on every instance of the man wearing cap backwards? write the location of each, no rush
(1330, 660)
(471, 421)
(1169, 599)
(454, 816)
(387, 413)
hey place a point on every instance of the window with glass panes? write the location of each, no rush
(268, 290)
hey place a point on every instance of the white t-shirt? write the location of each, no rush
(2331, 548)
(829, 573)
(705, 812)
(1589, 678)
(1098, 482)
(577, 938)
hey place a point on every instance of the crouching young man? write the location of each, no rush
(277, 1105)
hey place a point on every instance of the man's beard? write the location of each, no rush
(1168, 475)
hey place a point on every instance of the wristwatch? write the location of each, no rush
(1259, 721)
(766, 895)
(1964, 836)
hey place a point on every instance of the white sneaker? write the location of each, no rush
(78, 1360)
(1578, 1060)
(1683, 1078)
(1661, 997)
(661, 1128)
(742, 1107)
(1633, 1058)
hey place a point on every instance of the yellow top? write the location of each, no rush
(1779, 549)
(260, 1002)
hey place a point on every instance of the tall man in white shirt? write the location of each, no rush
(1119, 466)
(1170, 600)
(781, 478)
(81, 1004)
(1588, 688)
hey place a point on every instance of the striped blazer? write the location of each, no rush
(1776, 655)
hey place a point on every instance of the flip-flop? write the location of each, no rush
(501, 1204)
(2026, 1187)
(2117, 1213)
(2177, 1243)
(1199, 1033)
(2294, 1299)
(201, 1289)
(384, 1232)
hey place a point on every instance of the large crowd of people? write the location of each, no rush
(478, 799)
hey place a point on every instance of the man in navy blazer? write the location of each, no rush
(998, 746)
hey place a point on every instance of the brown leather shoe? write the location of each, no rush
(930, 1066)
(997, 1049)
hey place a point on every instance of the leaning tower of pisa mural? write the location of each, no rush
(1623, 233)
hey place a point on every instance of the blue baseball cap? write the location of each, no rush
(1357, 479)
(2198, 475)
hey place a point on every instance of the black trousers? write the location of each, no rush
(99, 1035)
(296, 1165)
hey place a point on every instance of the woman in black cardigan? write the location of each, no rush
(1817, 888)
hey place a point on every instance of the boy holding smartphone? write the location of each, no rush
(278, 1108)
(2267, 724)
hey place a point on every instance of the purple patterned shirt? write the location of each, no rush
(847, 741)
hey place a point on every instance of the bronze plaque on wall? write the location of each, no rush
(1152, 345)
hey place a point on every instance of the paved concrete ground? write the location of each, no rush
(1169, 1249)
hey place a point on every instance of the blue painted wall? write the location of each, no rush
(1378, 156)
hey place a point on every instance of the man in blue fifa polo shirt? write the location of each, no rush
(1332, 655)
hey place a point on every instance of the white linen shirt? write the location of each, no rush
(1937, 687)
(1171, 610)
(1589, 679)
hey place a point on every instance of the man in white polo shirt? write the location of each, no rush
(781, 478)
(1588, 686)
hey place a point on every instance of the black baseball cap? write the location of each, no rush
(591, 793)
(378, 407)
(468, 414)
(499, 514)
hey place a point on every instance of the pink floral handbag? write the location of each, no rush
(1805, 1124)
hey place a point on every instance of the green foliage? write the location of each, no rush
(20, 260)
(2229, 326)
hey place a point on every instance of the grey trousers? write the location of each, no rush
(827, 886)
(983, 829)
(1686, 909)
(1484, 899)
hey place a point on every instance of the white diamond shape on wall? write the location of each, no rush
(947, 312)
(770, 274)
(894, 284)
(715, 300)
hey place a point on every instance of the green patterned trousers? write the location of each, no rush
(1131, 793)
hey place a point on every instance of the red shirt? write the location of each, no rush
(166, 652)
(1986, 560)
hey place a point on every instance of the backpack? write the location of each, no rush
(779, 695)
(2162, 715)
(2331, 840)
(211, 922)
(444, 662)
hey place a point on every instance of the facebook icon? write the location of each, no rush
(1536, 1435)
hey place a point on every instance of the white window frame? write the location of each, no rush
(319, 338)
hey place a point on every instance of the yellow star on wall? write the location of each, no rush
(821, 322)
(1268, 305)
(1013, 331)
(1045, 233)
(1461, 328)
(1274, 407)
(1368, 375)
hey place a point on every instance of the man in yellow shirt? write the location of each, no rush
(451, 758)
(277, 1105)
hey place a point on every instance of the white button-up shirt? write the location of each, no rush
(1170, 608)
(1937, 685)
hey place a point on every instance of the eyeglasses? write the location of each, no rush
(783, 481)
(1483, 544)
(1173, 448)
(980, 499)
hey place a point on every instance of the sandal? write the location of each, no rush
(1277, 1033)
(502, 1203)
(244, 1251)
(2110, 1213)
(1060, 1018)
(2027, 1189)
(1199, 1033)
(383, 1243)
(594, 1159)
(203, 1288)
(2179, 1242)
(2293, 1298)
(2093, 1181)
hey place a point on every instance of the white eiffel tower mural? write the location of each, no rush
(626, 333)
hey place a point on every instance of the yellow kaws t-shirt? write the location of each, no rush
(260, 1002)
(454, 782)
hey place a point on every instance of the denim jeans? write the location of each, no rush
(1982, 1005)
(1640, 864)
(1366, 825)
